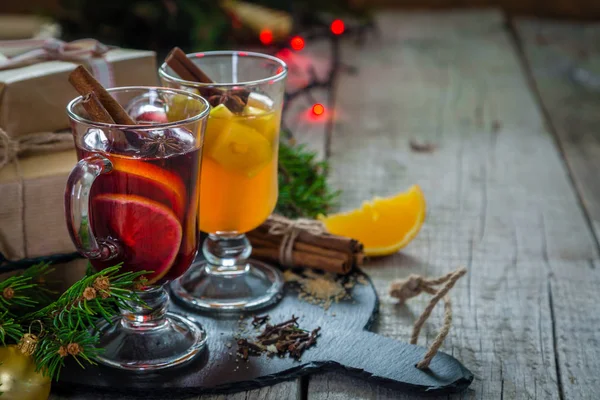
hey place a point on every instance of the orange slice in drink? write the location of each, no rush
(264, 122)
(235, 146)
(383, 225)
(131, 176)
(180, 107)
(220, 122)
(148, 231)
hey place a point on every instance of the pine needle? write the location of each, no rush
(303, 188)
(22, 291)
(71, 319)
(9, 329)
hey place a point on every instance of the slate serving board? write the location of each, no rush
(345, 345)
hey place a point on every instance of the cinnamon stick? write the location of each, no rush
(304, 260)
(85, 83)
(180, 69)
(301, 247)
(310, 250)
(95, 109)
(185, 68)
(358, 259)
(326, 240)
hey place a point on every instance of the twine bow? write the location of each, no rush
(87, 51)
(290, 229)
(414, 285)
(52, 49)
(43, 141)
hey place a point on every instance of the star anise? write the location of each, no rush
(161, 145)
(232, 100)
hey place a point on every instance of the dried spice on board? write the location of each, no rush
(280, 339)
(323, 289)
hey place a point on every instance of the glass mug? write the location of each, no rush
(133, 198)
(239, 178)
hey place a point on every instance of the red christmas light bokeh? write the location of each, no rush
(297, 43)
(266, 36)
(318, 109)
(337, 27)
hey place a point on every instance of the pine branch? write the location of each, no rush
(89, 269)
(9, 329)
(53, 348)
(303, 188)
(39, 293)
(83, 302)
(23, 290)
(70, 320)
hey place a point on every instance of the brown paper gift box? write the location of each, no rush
(32, 217)
(42, 90)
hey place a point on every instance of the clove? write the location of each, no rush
(258, 320)
(286, 336)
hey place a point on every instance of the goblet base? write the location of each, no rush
(175, 341)
(203, 287)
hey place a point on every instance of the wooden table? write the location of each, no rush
(513, 193)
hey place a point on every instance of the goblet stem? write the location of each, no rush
(226, 280)
(150, 313)
(226, 255)
(147, 337)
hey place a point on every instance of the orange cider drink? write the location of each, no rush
(238, 178)
(239, 170)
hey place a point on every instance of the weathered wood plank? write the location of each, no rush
(556, 53)
(499, 198)
(560, 56)
(287, 390)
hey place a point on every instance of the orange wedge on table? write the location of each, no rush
(383, 225)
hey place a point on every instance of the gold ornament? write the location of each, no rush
(28, 344)
(18, 378)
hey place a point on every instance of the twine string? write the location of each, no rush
(414, 285)
(42, 141)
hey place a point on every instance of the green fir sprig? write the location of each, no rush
(52, 350)
(303, 188)
(90, 298)
(69, 322)
(9, 328)
(23, 291)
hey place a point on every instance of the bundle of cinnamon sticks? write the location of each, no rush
(322, 251)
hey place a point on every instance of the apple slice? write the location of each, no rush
(149, 232)
(158, 117)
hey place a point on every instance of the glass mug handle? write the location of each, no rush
(77, 207)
